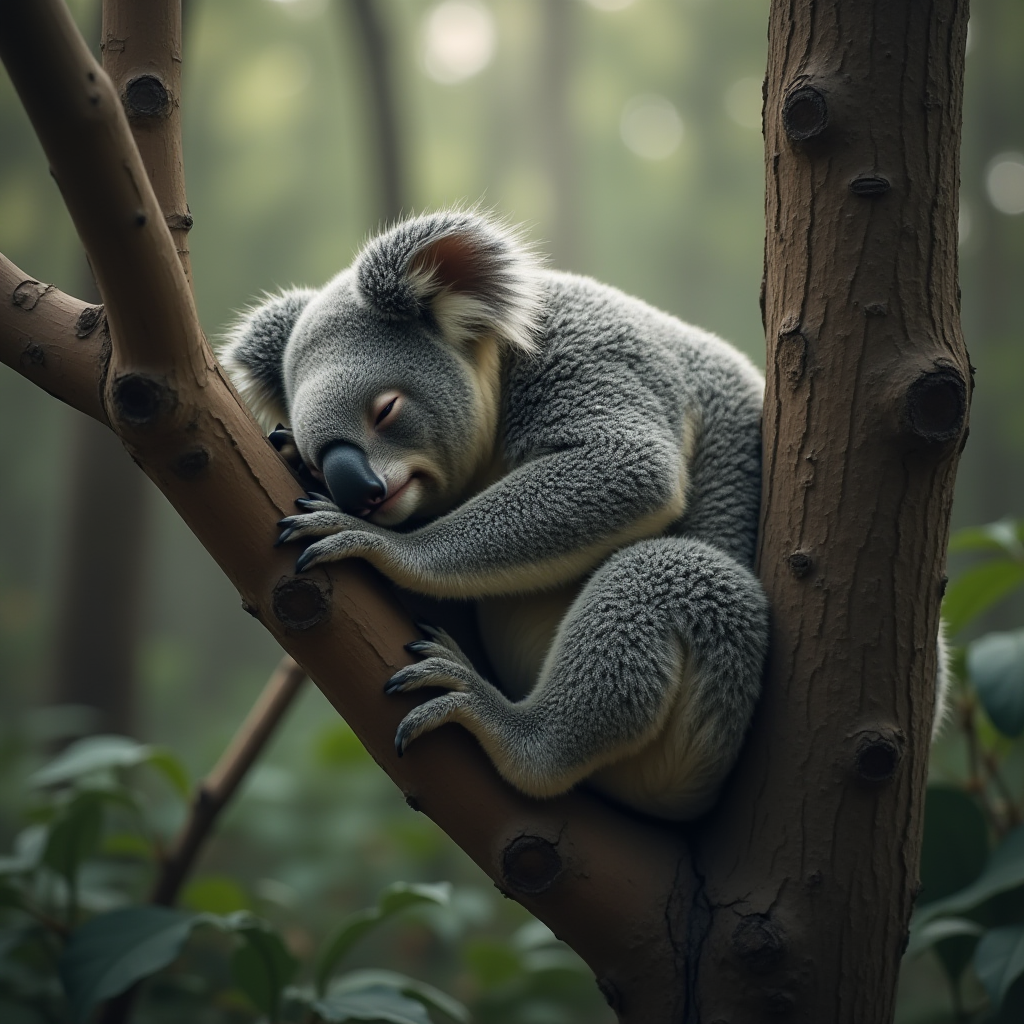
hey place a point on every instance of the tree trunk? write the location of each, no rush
(811, 865)
(791, 900)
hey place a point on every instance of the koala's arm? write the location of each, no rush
(548, 521)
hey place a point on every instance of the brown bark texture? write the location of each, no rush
(811, 866)
(791, 901)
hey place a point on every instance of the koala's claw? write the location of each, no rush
(438, 670)
(427, 716)
(315, 502)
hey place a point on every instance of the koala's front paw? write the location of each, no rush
(444, 666)
(344, 536)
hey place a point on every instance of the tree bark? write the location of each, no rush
(811, 865)
(791, 900)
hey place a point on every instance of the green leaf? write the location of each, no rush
(75, 835)
(1005, 535)
(29, 847)
(1003, 872)
(103, 753)
(172, 769)
(216, 894)
(999, 961)
(978, 589)
(376, 1004)
(111, 952)
(955, 844)
(493, 963)
(996, 667)
(432, 998)
(88, 755)
(127, 844)
(262, 967)
(395, 898)
(931, 932)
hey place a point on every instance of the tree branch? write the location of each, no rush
(613, 887)
(57, 342)
(141, 44)
(217, 789)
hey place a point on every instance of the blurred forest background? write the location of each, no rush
(626, 135)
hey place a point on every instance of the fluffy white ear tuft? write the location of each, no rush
(252, 354)
(474, 277)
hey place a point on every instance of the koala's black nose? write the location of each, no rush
(352, 482)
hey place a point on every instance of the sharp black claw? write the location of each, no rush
(425, 627)
(317, 496)
(279, 437)
(283, 539)
(303, 502)
(416, 646)
(302, 562)
(399, 745)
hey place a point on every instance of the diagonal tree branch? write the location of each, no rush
(57, 342)
(610, 885)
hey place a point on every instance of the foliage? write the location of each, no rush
(970, 913)
(75, 930)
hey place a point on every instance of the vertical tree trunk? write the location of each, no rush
(811, 866)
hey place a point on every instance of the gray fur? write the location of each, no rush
(591, 477)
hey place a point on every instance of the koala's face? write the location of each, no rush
(418, 407)
(390, 375)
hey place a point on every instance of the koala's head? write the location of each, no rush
(389, 376)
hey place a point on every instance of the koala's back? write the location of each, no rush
(611, 364)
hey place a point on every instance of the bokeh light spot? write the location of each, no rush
(651, 127)
(458, 40)
(742, 102)
(1005, 183)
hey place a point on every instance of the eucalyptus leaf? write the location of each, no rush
(88, 755)
(1005, 535)
(955, 843)
(262, 967)
(978, 589)
(1003, 872)
(374, 1004)
(111, 952)
(75, 834)
(932, 932)
(29, 847)
(395, 898)
(999, 961)
(996, 667)
(432, 998)
(104, 753)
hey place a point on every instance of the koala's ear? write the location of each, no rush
(472, 276)
(253, 354)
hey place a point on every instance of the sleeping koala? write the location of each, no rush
(584, 467)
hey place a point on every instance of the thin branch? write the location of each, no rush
(220, 785)
(57, 342)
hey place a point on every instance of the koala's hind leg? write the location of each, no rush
(650, 683)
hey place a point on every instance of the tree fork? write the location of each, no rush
(810, 867)
(601, 879)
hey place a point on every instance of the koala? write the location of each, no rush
(581, 466)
